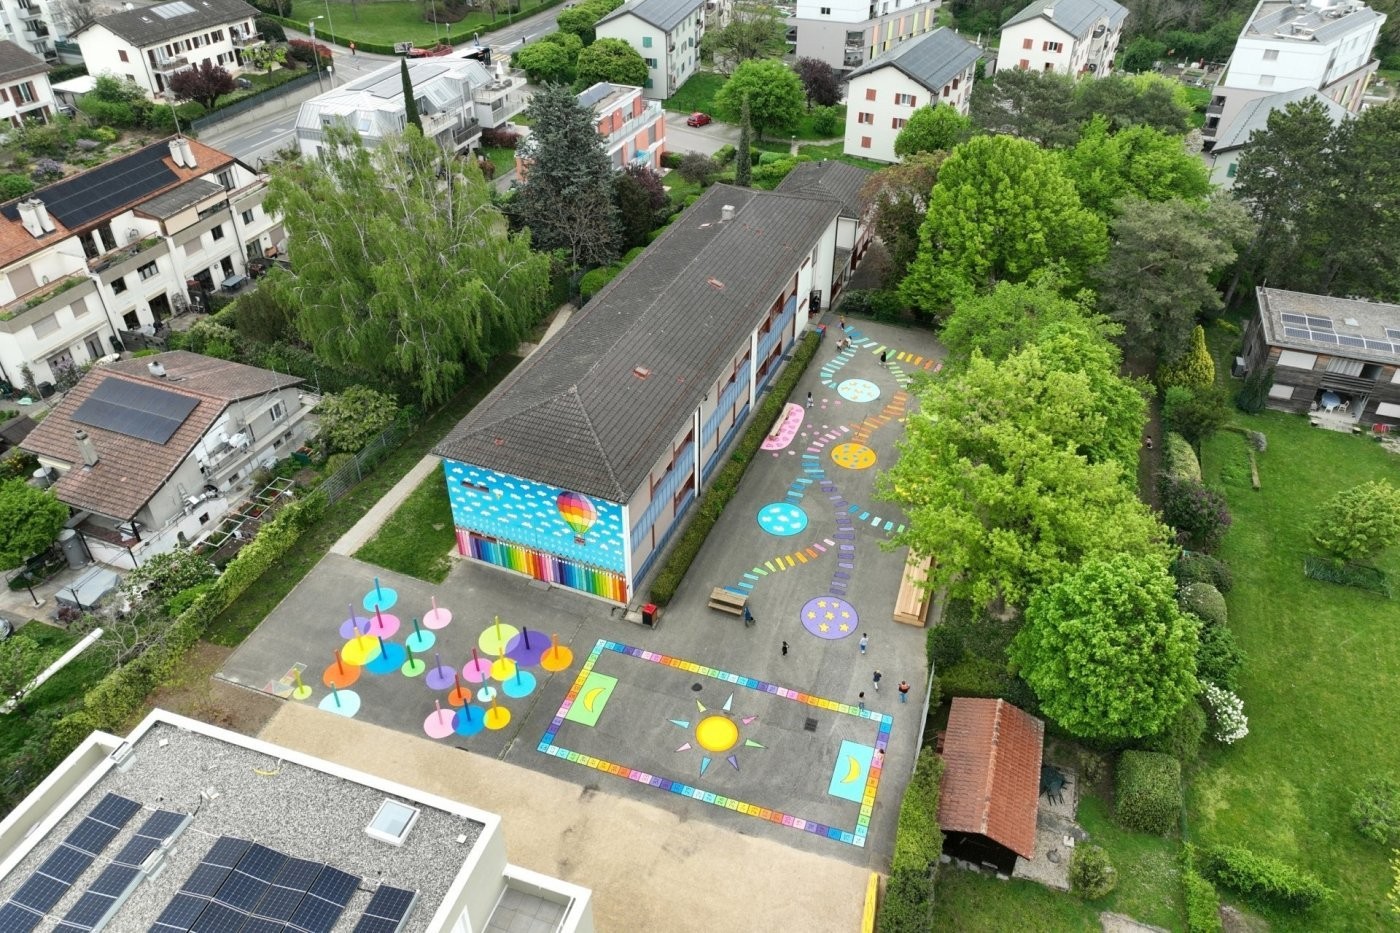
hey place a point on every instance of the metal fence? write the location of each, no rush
(340, 482)
(248, 103)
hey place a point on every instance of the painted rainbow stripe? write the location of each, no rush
(855, 836)
(542, 566)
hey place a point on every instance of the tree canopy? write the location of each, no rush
(820, 81)
(549, 62)
(1359, 523)
(1139, 162)
(351, 419)
(932, 129)
(896, 201)
(205, 84)
(1002, 208)
(1013, 315)
(1147, 100)
(774, 92)
(1034, 105)
(30, 520)
(403, 269)
(1107, 650)
(611, 60)
(753, 31)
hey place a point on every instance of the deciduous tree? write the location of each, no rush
(1359, 523)
(403, 268)
(1148, 100)
(820, 81)
(1139, 162)
(773, 91)
(1012, 316)
(547, 62)
(30, 519)
(641, 199)
(1034, 105)
(932, 129)
(754, 31)
(205, 84)
(611, 60)
(896, 201)
(1106, 649)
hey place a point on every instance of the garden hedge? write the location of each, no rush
(1263, 877)
(725, 483)
(480, 30)
(1179, 459)
(1205, 603)
(1194, 567)
(1202, 903)
(1148, 791)
(918, 843)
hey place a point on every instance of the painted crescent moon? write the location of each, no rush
(592, 697)
(853, 772)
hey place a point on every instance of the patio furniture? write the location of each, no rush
(1331, 401)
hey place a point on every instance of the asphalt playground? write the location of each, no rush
(701, 715)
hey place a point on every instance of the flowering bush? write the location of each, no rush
(46, 170)
(1226, 713)
(1197, 513)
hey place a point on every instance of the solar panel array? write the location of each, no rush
(172, 10)
(387, 910)
(135, 409)
(1319, 329)
(102, 898)
(104, 189)
(56, 874)
(243, 887)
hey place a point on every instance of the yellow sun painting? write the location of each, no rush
(717, 733)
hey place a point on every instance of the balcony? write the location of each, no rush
(634, 125)
(122, 253)
(29, 12)
(1215, 110)
(171, 65)
(40, 295)
(247, 42)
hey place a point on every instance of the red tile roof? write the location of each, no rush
(130, 470)
(991, 782)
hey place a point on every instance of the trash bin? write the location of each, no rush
(649, 614)
(73, 550)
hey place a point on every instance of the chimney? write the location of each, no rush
(86, 448)
(726, 212)
(156, 369)
(177, 152)
(29, 216)
(42, 213)
(189, 153)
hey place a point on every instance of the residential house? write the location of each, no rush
(848, 33)
(1319, 45)
(25, 94)
(991, 782)
(184, 825)
(1068, 37)
(118, 249)
(678, 349)
(148, 45)
(1224, 156)
(456, 97)
(937, 68)
(32, 25)
(633, 128)
(165, 443)
(1336, 359)
(666, 33)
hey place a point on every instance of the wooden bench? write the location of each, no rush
(911, 605)
(727, 600)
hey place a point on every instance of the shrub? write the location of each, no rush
(1193, 567)
(918, 842)
(724, 154)
(500, 138)
(1202, 903)
(826, 120)
(14, 186)
(306, 52)
(46, 170)
(945, 646)
(270, 29)
(1091, 873)
(1219, 657)
(1199, 514)
(595, 280)
(1178, 457)
(671, 159)
(697, 168)
(774, 172)
(354, 417)
(1254, 395)
(907, 903)
(1148, 791)
(1204, 602)
(1376, 810)
(1183, 736)
(105, 134)
(1226, 713)
(975, 676)
(1255, 875)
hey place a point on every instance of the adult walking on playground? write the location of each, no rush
(876, 677)
(904, 691)
(864, 642)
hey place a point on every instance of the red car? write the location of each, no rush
(697, 119)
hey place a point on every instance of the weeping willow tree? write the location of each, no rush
(402, 268)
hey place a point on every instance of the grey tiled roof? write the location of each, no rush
(167, 205)
(1371, 321)
(828, 179)
(576, 414)
(15, 62)
(663, 14)
(932, 60)
(1076, 17)
(1255, 116)
(145, 26)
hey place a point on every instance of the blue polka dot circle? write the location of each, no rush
(781, 519)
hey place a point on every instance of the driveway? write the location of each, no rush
(703, 139)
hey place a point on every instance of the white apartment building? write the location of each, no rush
(149, 44)
(666, 33)
(1318, 45)
(936, 69)
(848, 33)
(456, 97)
(30, 24)
(117, 249)
(1069, 37)
(25, 93)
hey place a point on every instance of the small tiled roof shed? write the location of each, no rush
(991, 778)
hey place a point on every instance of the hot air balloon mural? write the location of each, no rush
(578, 512)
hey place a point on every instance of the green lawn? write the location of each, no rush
(834, 151)
(696, 94)
(416, 538)
(234, 625)
(501, 157)
(57, 694)
(1199, 98)
(1320, 682)
(390, 21)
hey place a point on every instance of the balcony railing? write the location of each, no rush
(123, 253)
(649, 115)
(40, 295)
(168, 65)
(247, 42)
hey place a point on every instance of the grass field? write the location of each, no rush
(501, 157)
(1320, 682)
(416, 538)
(390, 21)
(699, 94)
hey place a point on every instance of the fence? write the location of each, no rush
(342, 480)
(255, 100)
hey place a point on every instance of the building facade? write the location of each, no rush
(666, 33)
(1224, 156)
(31, 25)
(848, 33)
(79, 267)
(148, 45)
(935, 69)
(1068, 37)
(1319, 45)
(456, 97)
(633, 128)
(25, 94)
(680, 346)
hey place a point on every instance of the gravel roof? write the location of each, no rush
(302, 812)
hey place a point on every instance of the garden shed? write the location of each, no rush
(991, 782)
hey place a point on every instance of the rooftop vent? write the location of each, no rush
(156, 369)
(1352, 322)
(177, 154)
(393, 822)
(641, 372)
(726, 212)
(86, 449)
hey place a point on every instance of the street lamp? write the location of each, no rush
(331, 25)
(315, 55)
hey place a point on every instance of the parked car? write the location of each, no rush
(698, 119)
(243, 83)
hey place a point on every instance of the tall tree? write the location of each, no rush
(1162, 266)
(1107, 650)
(566, 200)
(1012, 316)
(1139, 162)
(773, 91)
(896, 201)
(204, 84)
(1034, 105)
(1195, 369)
(403, 268)
(1359, 523)
(30, 519)
(410, 100)
(548, 62)
(753, 31)
(1148, 100)
(641, 199)
(611, 60)
(1364, 197)
(820, 81)
(743, 158)
(1002, 208)
(932, 129)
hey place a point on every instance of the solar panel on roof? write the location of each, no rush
(227, 850)
(335, 886)
(40, 892)
(1393, 333)
(66, 863)
(1382, 345)
(1294, 319)
(1321, 323)
(135, 409)
(388, 905)
(115, 810)
(1351, 341)
(162, 824)
(218, 918)
(261, 863)
(1297, 333)
(262, 925)
(181, 913)
(1324, 336)
(17, 919)
(121, 182)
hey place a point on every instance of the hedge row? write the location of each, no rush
(1148, 791)
(1260, 876)
(918, 843)
(726, 482)
(119, 695)
(1179, 459)
(1202, 901)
